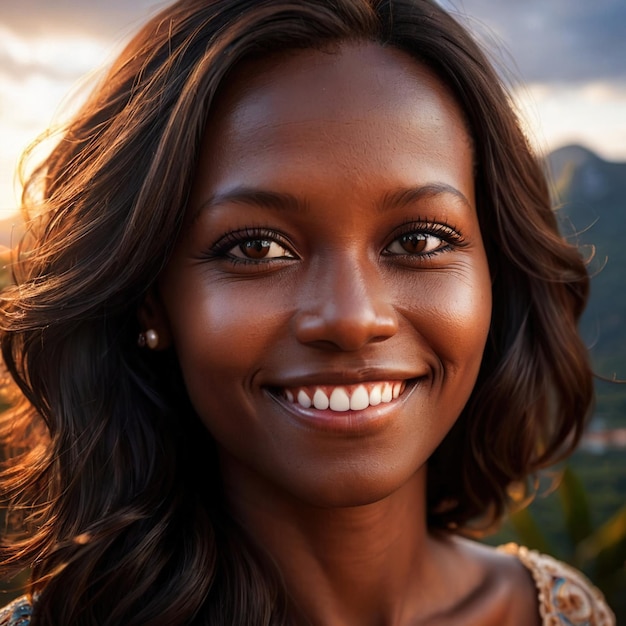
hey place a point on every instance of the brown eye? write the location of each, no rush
(415, 243)
(256, 249)
(260, 249)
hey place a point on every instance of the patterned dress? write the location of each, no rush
(566, 597)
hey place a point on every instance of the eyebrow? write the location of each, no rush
(405, 196)
(288, 202)
(253, 196)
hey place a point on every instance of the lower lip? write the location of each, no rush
(355, 423)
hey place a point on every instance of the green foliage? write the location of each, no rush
(581, 526)
(526, 527)
(576, 512)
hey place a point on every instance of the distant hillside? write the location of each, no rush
(592, 194)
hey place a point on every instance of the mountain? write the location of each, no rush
(584, 180)
(591, 194)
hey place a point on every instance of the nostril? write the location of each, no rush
(344, 332)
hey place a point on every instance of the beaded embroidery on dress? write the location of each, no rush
(17, 613)
(566, 597)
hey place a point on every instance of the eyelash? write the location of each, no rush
(221, 249)
(447, 234)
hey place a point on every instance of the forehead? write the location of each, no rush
(346, 82)
(360, 103)
(385, 73)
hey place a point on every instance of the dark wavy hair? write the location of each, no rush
(106, 447)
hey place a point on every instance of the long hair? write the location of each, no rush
(118, 530)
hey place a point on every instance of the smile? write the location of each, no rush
(343, 398)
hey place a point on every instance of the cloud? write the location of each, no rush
(58, 58)
(569, 53)
(556, 41)
(105, 20)
(591, 114)
(559, 40)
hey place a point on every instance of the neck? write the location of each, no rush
(343, 565)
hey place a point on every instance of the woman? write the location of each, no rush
(357, 331)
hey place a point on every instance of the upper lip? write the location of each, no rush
(346, 377)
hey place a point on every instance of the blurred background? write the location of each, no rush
(565, 61)
(565, 64)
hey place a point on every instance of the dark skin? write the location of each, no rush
(332, 250)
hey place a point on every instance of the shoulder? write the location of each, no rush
(18, 613)
(566, 597)
(505, 593)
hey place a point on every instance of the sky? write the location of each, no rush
(563, 59)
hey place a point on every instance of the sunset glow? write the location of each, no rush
(40, 66)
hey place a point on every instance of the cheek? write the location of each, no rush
(222, 332)
(466, 318)
(453, 320)
(453, 314)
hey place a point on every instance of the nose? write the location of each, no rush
(345, 308)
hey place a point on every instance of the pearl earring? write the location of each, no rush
(148, 338)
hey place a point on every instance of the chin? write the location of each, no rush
(356, 489)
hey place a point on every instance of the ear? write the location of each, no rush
(152, 316)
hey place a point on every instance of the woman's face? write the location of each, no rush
(329, 298)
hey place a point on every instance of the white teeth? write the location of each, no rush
(360, 399)
(320, 400)
(303, 399)
(387, 394)
(375, 395)
(340, 400)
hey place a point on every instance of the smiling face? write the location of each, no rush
(329, 298)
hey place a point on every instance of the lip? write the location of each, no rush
(352, 422)
(351, 374)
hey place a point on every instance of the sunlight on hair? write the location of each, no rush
(42, 79)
